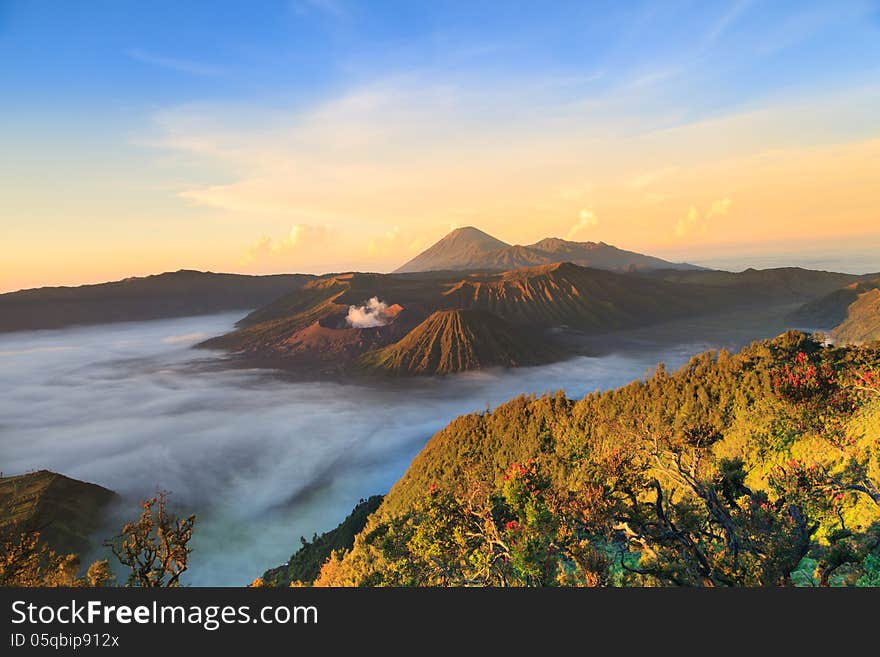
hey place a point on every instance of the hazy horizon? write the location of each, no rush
(331, 135)
(866, 262)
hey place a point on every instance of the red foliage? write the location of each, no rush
(804, 380)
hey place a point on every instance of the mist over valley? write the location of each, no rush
(259, 458)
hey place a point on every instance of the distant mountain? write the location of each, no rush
(788, 284)
(172, 294)
(424, 328)
(546, 296)
(471, 249)
(832, 309)
(862, 323)
(600, 255)
(458, 340)
(463, 248)
(294, 326)
(568, 295)
(65, 511)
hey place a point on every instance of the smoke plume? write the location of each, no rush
(372, 313)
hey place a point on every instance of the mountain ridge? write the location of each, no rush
(307, 330)
(65, 511)
(181, 293)
(469, 248)
(451, 341)
(862, 322)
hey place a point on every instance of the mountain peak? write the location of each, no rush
(463, 248)
(470, 249)
(470, 235)
(455, 340)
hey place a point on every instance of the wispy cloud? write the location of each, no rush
(647, 178)
(301, 236)
(400, 152)
(725, 21)
(173, 63)
(802, 26)
(385, 243)
(586, 219)
(696, 222)
(334, 8)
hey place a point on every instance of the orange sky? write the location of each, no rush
(368, 177)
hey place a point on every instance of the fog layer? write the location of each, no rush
(260, 459)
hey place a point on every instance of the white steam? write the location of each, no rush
(372, 313)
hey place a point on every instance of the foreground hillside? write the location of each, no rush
(862, 321)
(305, 564)
(172, 294)
(760, 468)
(65, 511)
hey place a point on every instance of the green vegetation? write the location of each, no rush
(305, 564)
(65, 512)
(755, 469)
(25, 560)
(154, 548)
(830, 310)
(862, 323)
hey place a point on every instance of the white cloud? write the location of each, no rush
(186, 337)
(586, 219)
(400, 151)
(690, 223)
(300, 236)
(382, 245)
(173, 63)
(719, 208)
(697, 223)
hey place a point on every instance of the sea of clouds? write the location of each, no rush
(261, 460)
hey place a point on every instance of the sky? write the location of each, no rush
(330, 135)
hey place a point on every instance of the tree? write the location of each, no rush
(522, 534)
(25, 561)
(718, 533)
(156, 546)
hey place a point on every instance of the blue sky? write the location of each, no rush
(124, 118)
(120, 56)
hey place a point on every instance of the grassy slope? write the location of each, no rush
(305, 563)
(862, 323)
(65, 511)
(730, 396)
